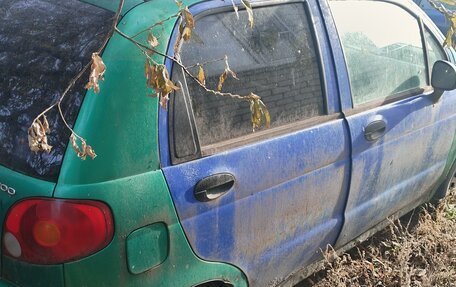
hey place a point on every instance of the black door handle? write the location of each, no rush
(214, 186)
(375, 130)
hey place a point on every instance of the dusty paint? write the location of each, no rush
(125, 175)
(290, 193)
(400, 170)
(284, 204)
(287, 200)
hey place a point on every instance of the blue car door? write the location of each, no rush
(400, 134)
(265, 201)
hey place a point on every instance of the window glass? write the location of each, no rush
(184, 142)
(276, 60)
(384, 54)
(435, 50)
(43, 45)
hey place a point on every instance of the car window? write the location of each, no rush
(434, 49)
(277, 60)
(43, 45)
(383, 54)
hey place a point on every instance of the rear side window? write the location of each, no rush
(277, 60)
(43, 45)
(383, 49)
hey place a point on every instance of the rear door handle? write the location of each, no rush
(213, 186)
(375, 130)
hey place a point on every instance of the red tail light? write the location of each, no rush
(52, 231)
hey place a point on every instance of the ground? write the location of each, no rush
(418, 250)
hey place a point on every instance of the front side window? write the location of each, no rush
(435, 50)
(277, 60)
(383, 49)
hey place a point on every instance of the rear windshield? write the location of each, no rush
(43, 45)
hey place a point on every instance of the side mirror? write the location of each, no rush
(443, 78)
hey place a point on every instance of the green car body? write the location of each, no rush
(149, 246)
(126, 173)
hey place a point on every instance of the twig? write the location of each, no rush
(70, 86)
(114, 25)
(205, 63)
(184, 68)
(156, 24)
(79, 75)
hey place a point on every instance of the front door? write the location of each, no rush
(400, 136)
(265, 201)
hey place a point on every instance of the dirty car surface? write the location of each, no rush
(189, 195)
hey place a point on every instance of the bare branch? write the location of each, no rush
(114, 25)
(205, 63)
(184, 68)
(156, 24)
(78, 76)
(156, 74)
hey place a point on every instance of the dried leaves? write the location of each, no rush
(259, 112)
(449, 35)
(449, 2)
(451, 17)
(157, 75)
(225, 74)
(152, 40)
(201, 76)
(188, 18)
(451, 32)
(249, 10)
(37, 135)
(235, 8)
(37, 132)
(157, 78)
(38, 142)
(98, 69)
(421, 252)
(186, 25)
(82, 151)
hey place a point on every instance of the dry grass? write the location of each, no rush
(419, 251)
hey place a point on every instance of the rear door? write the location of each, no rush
(400, 135)
(276, 196)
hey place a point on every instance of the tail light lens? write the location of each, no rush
(52, 231)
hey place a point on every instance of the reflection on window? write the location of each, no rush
(43, 45)
(276, 60)
(435, 50)
(384, 55)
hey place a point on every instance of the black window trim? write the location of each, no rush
(171, 114)
(259, 135)
(426, 51)
(424, 30)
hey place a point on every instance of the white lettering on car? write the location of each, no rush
(8, 189)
